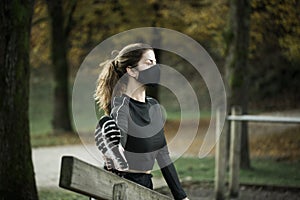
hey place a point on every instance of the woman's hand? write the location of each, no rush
(186, 198)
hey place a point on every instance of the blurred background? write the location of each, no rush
(273, 57)
(273, 71)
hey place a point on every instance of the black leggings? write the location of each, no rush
(139, 178)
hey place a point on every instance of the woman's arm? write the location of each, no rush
(120, 113)
(107, 137)
(170, 175)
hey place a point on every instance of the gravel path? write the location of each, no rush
(47, 162)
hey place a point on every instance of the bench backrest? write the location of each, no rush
(84, 178)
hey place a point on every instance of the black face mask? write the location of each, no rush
(150, 77)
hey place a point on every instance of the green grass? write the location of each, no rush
(43, 140)
(59, 194)
(264, 171)
(272, 172)
(40, 106)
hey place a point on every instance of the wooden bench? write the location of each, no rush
(84, 178)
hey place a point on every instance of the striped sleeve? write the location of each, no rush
(120, 113)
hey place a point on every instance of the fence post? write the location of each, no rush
(220, 159)
(235, 151)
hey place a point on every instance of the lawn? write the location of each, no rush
(59, 194)
(267, 171)
(264, 171)
(40, 105)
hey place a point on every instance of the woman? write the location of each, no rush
(135, 120)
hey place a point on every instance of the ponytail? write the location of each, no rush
(113, 70)
(106, 82)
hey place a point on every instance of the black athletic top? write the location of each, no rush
(142, 136)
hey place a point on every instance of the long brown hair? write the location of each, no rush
(113, 70)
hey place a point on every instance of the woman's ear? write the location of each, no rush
(132, 72)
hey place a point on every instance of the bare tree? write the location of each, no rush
(59, 33)
(16, 168)
(236, 65)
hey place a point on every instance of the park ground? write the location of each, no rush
(275, 156)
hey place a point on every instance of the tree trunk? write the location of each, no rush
(237, 40)
(154, 91)
(16, 168)
(61, 119)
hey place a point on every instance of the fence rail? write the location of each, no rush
(259, 118)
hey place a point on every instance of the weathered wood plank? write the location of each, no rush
(84, 178)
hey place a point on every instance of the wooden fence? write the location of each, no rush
(89, 180)
(84, 178)
(235, 120)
